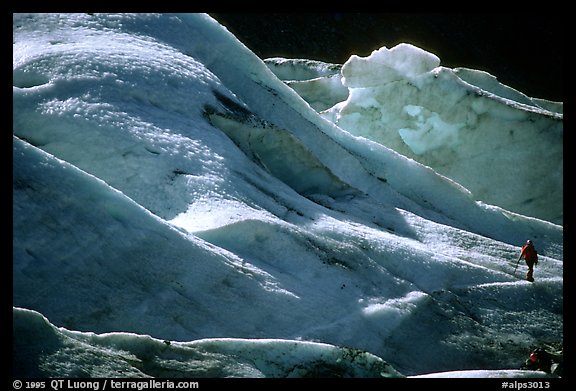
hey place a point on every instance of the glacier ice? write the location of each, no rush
(151, 197)
(460, 122)
(43, 350)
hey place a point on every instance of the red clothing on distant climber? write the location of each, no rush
(531, 257)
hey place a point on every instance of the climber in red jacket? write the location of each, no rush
(531, 256)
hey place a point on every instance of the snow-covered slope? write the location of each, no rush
(167, 183)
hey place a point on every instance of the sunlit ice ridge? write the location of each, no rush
(169, 185)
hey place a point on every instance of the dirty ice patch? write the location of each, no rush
(485, 374)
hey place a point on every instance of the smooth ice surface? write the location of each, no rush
(167, 185)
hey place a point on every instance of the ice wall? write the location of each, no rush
(503, 146)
